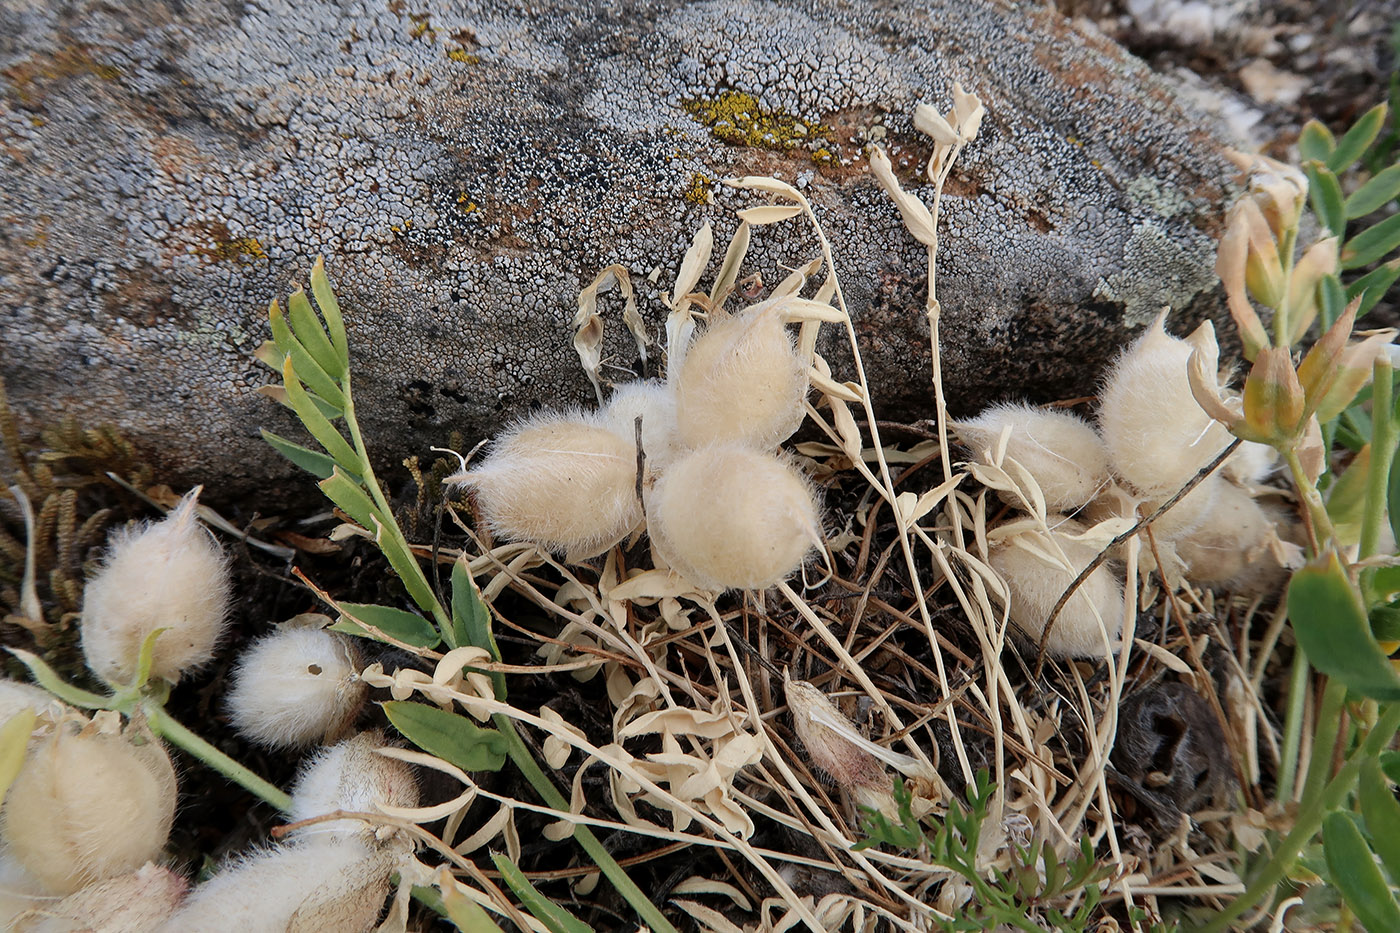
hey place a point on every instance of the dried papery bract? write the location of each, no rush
(171, 575)
(16, 696)
(1156, 433)
(308, 887)
(729, 517)
(1036, 581)
(850, 760)
(1061, 450)
(350, 776)
(741, 380)
(655, 404)
(134, 903)
(567, 482)
(87, 807)
(296, 687)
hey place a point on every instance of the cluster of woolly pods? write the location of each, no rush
(720, 507)
(1151, 440)
(168, 575)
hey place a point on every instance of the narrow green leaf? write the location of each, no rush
(1333, 629)
(1316, 142)
(14, 739)
(47, 678)
(1325, 193)
(1374, 285)
(1372, 243)
(313, 462)
(1379, 191)
(1385, 623)
(1357, 139)
(306, 365)
(1355, 874)
(556, 918)
(453, 738)
(1382, 814)
(350, 498)
(1390, 764)
(330, 310)
(281, 334)
(472, 620)
(325, 433)
(407, 627)
(312, 336)
(405, 565)
(1332, 298)
(147, 656)
(466, 914)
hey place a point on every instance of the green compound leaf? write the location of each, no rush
(1354, 873)
(317, 464)
(1374, 285)
(1357, 139)
(455, 739)
(1382, 814)
(316, 422)
(1316, 142)
(1334, 631)
(407, 627)
(471, 620)
(1383, 188)
(1372, 243)
(554, 917)
(1325, 193)
(306, 366)
(312, 336)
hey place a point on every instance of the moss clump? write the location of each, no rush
(740, 120)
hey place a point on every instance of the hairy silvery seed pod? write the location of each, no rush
(1157, 435)
(135, 903)
(350, 776)
(307, 887)
(88, 807)
(1036, 585)
(1061, 450)
(741, 380)
(828, 738)
(567, 482)
(171, 575)
(655, 404)
(1230, 545)
(296, 687)
(729, 516)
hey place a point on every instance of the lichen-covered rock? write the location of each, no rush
(167, 168)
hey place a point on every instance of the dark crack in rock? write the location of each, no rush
(167, 168)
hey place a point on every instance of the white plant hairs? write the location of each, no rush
(728, 516)
(296, 687)
(169, 574)
(1061, 450)
(742, 379)
(563, 480)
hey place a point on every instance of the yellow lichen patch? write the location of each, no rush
(697, 191)
(823, 156)
(463, 56)
(465, 204)
(225, 246)
(741, 120)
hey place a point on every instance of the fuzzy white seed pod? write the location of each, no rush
(16, 696)
(828, 737)
(741, 380)
(1157, 435)
(135, 903)
(296, 687)
(307, 887)
(1230, 546)
(1250, 464)
(1036, 585)
(655, 404)
(350, 776)
(567, 482)
(88, 807)
(729, 516)
(1061, 450)
(171, 575)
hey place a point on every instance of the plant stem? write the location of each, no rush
(390, 526)
(525, 761)
(1308, 822)
(1329, 717)
(166, 726)
(1383, 438)
(1293, 725)
(1317, 509)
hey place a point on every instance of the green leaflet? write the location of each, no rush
(453, 738)
(1334, 630)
